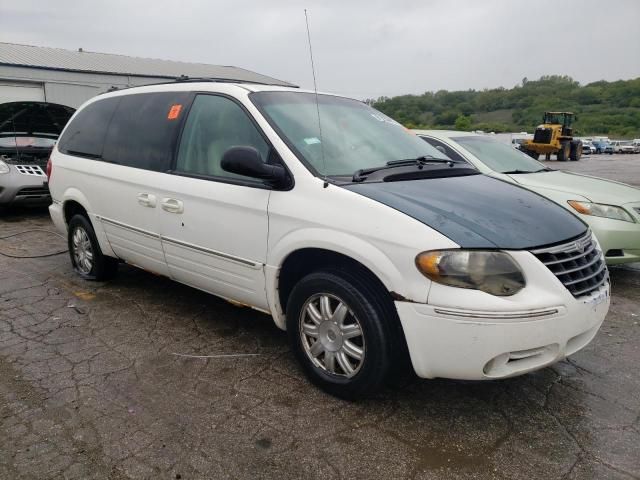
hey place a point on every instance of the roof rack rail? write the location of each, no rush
(186, 78)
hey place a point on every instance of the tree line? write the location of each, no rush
(606, 108)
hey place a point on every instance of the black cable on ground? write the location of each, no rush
(32, 256)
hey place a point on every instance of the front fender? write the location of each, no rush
(372, 257)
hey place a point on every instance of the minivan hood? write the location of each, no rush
(477, 211)
(33, 118)
(597, 190)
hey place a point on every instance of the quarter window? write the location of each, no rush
(85, 134)
(214, 125)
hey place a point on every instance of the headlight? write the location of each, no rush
(492, 272)
(4, 168)
(600, 210)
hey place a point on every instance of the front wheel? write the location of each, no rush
(563, 153)
(86, 257)
(340, 333)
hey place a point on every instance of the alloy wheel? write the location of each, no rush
(331, 335)
(82, 250)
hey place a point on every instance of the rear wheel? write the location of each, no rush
(86, 257)
(340, 332)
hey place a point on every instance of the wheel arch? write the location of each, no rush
(297, 257)
(75, 202)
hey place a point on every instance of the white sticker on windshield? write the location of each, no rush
(311, 140)
(385, 119)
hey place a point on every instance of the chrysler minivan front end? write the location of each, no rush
(562, 299)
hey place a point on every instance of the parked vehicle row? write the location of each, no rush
(625, 146)
(610, 147)
(362, 240)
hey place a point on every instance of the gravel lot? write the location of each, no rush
(93, 384)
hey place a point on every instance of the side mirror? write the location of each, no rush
(248, 162)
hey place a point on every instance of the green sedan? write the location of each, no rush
(612, 209)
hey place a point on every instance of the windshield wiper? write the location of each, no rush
(420, 162)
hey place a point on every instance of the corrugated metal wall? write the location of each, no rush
(67, 88)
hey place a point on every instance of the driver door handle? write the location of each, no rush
(172, 205)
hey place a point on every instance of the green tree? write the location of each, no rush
(463, 123)
(611, 108)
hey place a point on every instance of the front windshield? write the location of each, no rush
(498, 156)
(354, 135)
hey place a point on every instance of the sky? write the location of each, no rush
(361, 48)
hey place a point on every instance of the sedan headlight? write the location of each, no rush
(492, 272)
(4, 168)
(600, 210)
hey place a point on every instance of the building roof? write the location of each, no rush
(106, 63)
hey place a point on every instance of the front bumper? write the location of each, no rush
(482, 345)
(619, 240)
(18, 188)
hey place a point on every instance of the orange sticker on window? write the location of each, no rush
(174, 112)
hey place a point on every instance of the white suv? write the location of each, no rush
(365, 243)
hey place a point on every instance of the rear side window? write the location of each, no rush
(143, 130)
(85, 134)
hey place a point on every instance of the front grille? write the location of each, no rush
(578, 264)
(542, 135)
(32, 192)
(30, 170)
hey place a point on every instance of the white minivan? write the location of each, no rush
(364, 242)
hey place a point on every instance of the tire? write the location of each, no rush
(576, 150)
(563, 153)
(364, 312)
(84, 250)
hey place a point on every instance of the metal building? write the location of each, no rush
(71, 77)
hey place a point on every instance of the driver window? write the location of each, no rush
(214, 125)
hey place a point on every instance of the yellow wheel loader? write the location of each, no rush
(554, 136)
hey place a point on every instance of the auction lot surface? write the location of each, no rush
(96, 382)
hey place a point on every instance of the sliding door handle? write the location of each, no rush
(172, 205)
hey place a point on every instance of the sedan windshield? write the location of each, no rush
(498, 156)
(350, 136)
